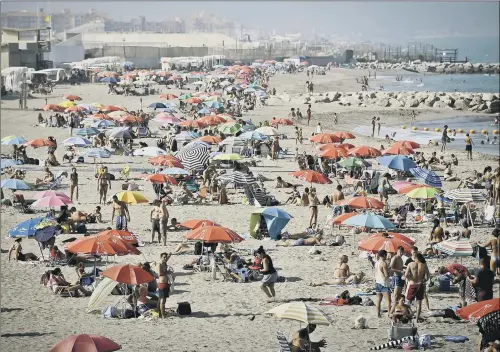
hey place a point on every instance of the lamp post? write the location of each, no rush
(141, 103)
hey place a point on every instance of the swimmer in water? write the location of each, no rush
(496, 121)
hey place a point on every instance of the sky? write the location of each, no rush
(370, 20)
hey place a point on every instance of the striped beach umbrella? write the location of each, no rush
(461, 248)
(300, 311)
(238, 178)
(86, 131)
(430, 178)
(194, 158)
(465, 195)
(97, 153)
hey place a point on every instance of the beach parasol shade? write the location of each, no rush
(126, 236)
(268, 131)
(195, 223)
(229, 127)
(362, 203)
(129, 118)
(149, 151)
(15, 184)
(214, 234)
(51, 201)
(253, 136)
(77, 141)
(160, 178)
(195, 158)
(157, 106)
(74, 109)
(168, 96)
(369, 220)
(97, 153)
(174, 171)
(112, 108)
(72, 97)
(324, 138)
(411, 187)
(86, 131)
(13, 140)
(210, 139)
(165, 119)
(339, 219)
(396, 235)
(476, 311)
(397, 162)
(128, 274)
(460, 248)
(66, 104)
(285, 122)
(166, 160)
(193, 100)
(25, 228)
(213, 120)
(354, 162)
(102, 245)
(300, 311)
(400, 185)
(395, 150)
(333, 153)
(102, 124)
(86, 343)
(406, 144)
(364, 152)
(43, 194)
(326, 146)
(311, 176)
(429, 177)
(101, 117)
(9, 162)
(384, 241)
(204, 111)
(192, 123)
(52, 107)
(344, 135)
(422, 192)
(237, 177)
(185, 96)
(466, 195)
(117, 114)
(40, 142)
(228, 157)
(46, 233)
(131, 197)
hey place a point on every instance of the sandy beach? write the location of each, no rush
(226, 316)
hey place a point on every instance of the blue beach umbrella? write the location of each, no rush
(45, 234)
(204, 111)
(174, 171)
(110, 80)
(13, 140)
(25, 228)
(86, 131)
(253, 136)
(77, 141)
(97, 153)
(9, 162)
(214, 104)
(15, 184)
(397, 162)
(103, 124)
(157, 106)
(276, 220)
(429, 177)
(370, 220)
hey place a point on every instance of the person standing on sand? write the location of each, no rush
(468, 146)
(308, 114)
(163, 284)
(417, 273)
(494, 244)
(103, 184)
(73, 179)
(120, 209)
(444, 138)
(413, 117)
(164, 221)
(335, 119)
(382, 282)
(269, 272)
(155, 217)
(397, 271)
(379, 124)
(374, 122)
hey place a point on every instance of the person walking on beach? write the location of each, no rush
(374, 122)
(413, 117)
(163, 284)
(120, 209)
(103, 184)
(308, 114)
(155, 217)
(379, 124)
(73, 179)
(468, 146)
(417, 273)
(269, 272)
(382, 282)
(444, 138)
(335, 119)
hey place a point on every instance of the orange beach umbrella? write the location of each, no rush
(86, 343)
(214, 234)
(195, 223)
(128, 274)
(311, 176)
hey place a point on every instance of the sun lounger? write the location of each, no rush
(283, 342)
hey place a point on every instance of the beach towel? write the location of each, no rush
(456, 338)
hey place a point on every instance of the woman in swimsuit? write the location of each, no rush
(17, 249)
(103, 182)
(73, 178)
(313, 208)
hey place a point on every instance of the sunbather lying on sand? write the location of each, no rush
(342, 275)
(310, 241)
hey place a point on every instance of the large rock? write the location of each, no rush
(489, 97)
(461, 104)
(384, 102)
(421, 96)
(431, 100)
(448, 100)
(411, 103)
(477, 67)
(468, 67)
(440, 105)
(395, 103)
(493, 106)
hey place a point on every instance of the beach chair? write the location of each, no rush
(489, 327)
(143, 132)
(225, 272)
(283, 342)
(125, 172)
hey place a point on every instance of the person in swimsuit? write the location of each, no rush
(313, 208)
(155, 217)
(73, 178)
(383, 189)
(494, 244)
(382, 282)
(417, 273)
(47, 178)
(269, 272)
(483, 282)
(400, 311)
(444, 138)
(164, 221)
(437, 234)
(103, 184)
(163, 284)
(302, 342)
(120, 209)
(17, 249)
(397, 271)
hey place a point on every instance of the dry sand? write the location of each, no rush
(34, 318)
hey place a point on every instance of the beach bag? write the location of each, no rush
(424, 341)
(110, 312)
(81, 228)
(198, 247)
(399, 330)
(184, 308)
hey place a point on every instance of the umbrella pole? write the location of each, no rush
(40, 246)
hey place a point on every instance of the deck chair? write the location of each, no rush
(283, 342)
(125, 172)
(225, 272)
(236, 150)
(489, 327)
(143, 132)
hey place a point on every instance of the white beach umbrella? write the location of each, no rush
(150, 151)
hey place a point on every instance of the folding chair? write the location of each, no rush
(283, 342)
(143, 132)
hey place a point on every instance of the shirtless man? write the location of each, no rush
(417, 273)
(163, 284)
(494, 244)
(397, 271)
(337, 195)
(103, 184)
(382, 282)
(120, 209)
(155, 218)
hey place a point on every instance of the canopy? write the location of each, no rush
(369, 220)
(397, 162)
(300, 311)
(214, 234)
(276, 219)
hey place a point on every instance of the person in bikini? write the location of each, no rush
(342, 275)
(17, 249)
(73, 178)
(494, 244)
(417, 273)
(103, 184)
(163, 284)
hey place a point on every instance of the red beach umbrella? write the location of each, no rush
(214, 234)
(311, 176)
(86, 343)
(128, 274)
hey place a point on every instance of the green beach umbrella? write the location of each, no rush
(229, 127)
(185, 96)
(354, 162)
(229, 156)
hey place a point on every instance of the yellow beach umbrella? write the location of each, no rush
(300, 311)
(66, 104)
(131, 197)
(228, 156)
(97, 105)
(422, 193)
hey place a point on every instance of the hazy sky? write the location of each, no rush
(371, 20)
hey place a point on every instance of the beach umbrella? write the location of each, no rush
(86, 131)
(88, 107)
(103, 124)
(311, 176)
(344, 135)
(166, 160)
(353, 162)
(195, 223)
(346, 146)
(14, 184)
(50, 193)
(253, 136)
(300, 311)
(129, 118)
(185, 96)
(112, 108)
(460, 248)
(214, 104)
(120, 132)
(124, 235)
(397, 162)
(466, 195)
(27, 228)
(150, 151)
(77, 141)
(97, 153)
(102, 245)
(86, 343)
(159, 178)
(396, 235)
(268, 131)
(66, 104)
(324, 138)
(369, 220)
(13, 140)
(101, 117)
(233, 141)
(237, 177)
(384, 241)
(276, 220)
(213, 120)
(46, 233)
(214, 234)
(395, 150)
(284, 122)
(333, 153)
(116, 114)
(52, 107)
(9, 162)
(131, 197)
(174, 171)
(192, 124)
(477, 310)
(51, 201)
(165, 119)
(229, 127)
(41, 142)
(406, 144)
(400, 185)
(204, 111)
(168, 96)
(364, 152)
(194, 158)
(228, 157)
(210, 139)
(74, 109)
(185, 136)
(339, 219)
(422, 192)
(128, 274)
(157, 106)
(362, 203)
(194, 100)
(109, 80)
